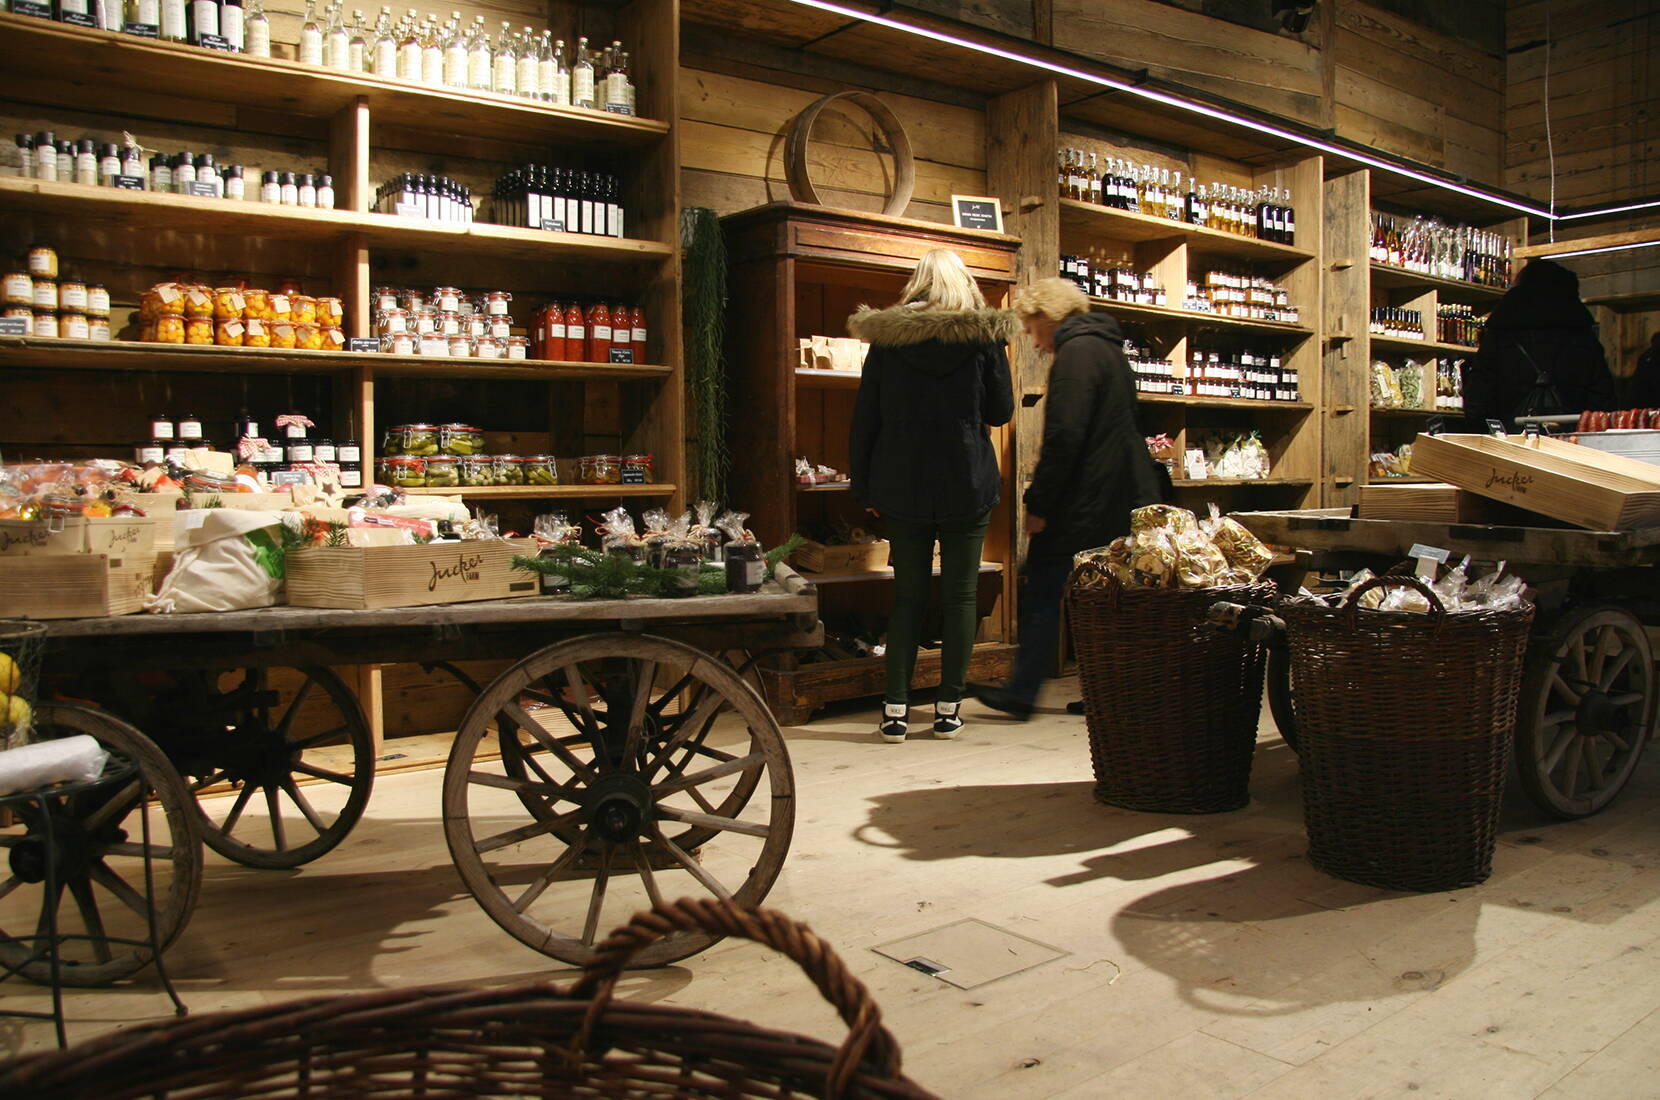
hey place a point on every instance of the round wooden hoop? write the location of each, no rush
(801, 132)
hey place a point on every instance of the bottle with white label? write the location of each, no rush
(325, 192)
(161, 173)
(184, 173)
(530, 68)
(46, 155)
(258, 30)
(478, 58)
(235, 186)
(144, 13)
(289, 188)
(269, 189)
(79, 8)
(455, 54)
(357, 51)
(86, 162)
(232, 25)
(558, 92)
(582, 76)
(337, 43)
(504, 78)
(409, 50)
(616, 81)
(109, 163)
(208, 172)
(307, 190)
(174, 26)
(432, 55)
(311, 37)
(204, 21)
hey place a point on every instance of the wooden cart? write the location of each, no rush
(1591, 694)
(626, 759)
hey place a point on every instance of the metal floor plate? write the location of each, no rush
(969, 953)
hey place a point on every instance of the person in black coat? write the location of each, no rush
(935, 379)
(1094, 470)
(1539, 354)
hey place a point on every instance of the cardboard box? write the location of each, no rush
(117, 536)
(74, 586)
(368, 577)
(1603, 492)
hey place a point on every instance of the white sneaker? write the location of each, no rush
(947, 720)
(894, 723)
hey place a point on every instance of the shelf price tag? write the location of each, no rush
(128, 183)
(31, 7)
(14, 326)
(1496, 427)
(551, 225)
(363, 343)
(633, 477)
(75, 19)
(141, 30)
(202, 190)
(618, 109)
(214, 42)
(622, 355)
(1437, 425)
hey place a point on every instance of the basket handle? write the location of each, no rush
(866, 1036)
(1437, 609)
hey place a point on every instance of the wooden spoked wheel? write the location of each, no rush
(1588, 704)
(98, 843)
(604, 774)
(1279, 696)
(281, 774)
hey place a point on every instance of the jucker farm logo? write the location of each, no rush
(464, 570)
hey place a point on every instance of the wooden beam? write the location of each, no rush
(1650, 235)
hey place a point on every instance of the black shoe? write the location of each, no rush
(1002, 699)
(1075, 707)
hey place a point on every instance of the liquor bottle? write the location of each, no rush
(504, 72)
(1261, 219)
(548, 71)
(530, 69)
(1176, 201)
(204, 21)
(337, 44)
(1288, 220)
(233, 25)
(455, 54)
(383, 49)
(617, 84)
(173, 27)
(478, 58)
(432, 54)
(409, 49)
(357, 52)
(1061, 175)
(637, 333)
(1094, 181)
(311, 37)
(582, 76)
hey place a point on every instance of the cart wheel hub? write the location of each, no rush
(617, 807)
(30, 855)
(1598, 714)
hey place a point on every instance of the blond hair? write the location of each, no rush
(1055, 298)
(942, 281)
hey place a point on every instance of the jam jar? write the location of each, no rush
(302, 309)
(509, 470)
(229, 304)
(540, 470)
(198, 331)
(19, 289)
(442, 472)
(405, 471)
(73, 326)
(72, 296)
(684, 561)
(43, 262)
(44, 294)
(198, 301)
(745, 567)
(330, 312)
(45, 325)
(97, 300)
(282, 334)
(636, 470)
(256, 305)
(518, 347)
(98, 328)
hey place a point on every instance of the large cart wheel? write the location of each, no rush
(1587, 707)
(98, 838)
(610, 772)
(301, 763)
(1279, 696)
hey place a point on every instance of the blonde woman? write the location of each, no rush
(935, 379)
(1094, 469)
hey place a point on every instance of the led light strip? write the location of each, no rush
(1209, 112)
(1598, 212)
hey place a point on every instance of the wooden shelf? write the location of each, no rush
(547, 492)
(1129, 311)
(1408, 414)
(882, 574)
(1453, 290)
(1242, 482)
(30, 351)
(150, 211)
(1398, 343)
(827, 379)
(830, 487)
(1403, 481)
(106, 61)
(1198, 402)
(1103, 221)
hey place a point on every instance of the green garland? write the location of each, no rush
(596, 575)
(703, 259)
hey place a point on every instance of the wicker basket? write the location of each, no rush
(1405, 721)
(1172, 703)
(524, 1041)
(20, 646)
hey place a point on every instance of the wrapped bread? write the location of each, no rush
(1244, 551)
(1199, 564)
(1177, 521)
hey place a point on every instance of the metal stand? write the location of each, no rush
(48, 938)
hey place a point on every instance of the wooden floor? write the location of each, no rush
(1205, 957)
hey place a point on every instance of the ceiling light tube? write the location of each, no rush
(1598, 212)
(1179, 103)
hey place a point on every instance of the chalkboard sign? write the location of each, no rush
(552, 225)
(977, 212)
(29, 7)
(202, 190)
(77, 19)
(622, 355)
(128, 183)
(142, 30)
(363, 343)
(14, 326)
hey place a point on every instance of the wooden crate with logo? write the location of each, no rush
(371, 577)
(1565, 481)
(74, 586)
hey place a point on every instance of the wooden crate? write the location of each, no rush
(259, 502)
(117, 536)
(1561, 480)
(366, 577)
(1439, 504)
(74, 586)
(817, 557)
(795, 693)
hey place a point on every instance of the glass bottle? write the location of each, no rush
(582, 76)
(311, 37)
(432, 55)
(1060, 172)
(530, 69)
(173, 26)
(409, 48)
(1094, 177)
(547, 70)
(383, 54)
(616, 81)
(455, 53)
(144, 12)
(504, 73)
(337, 44)
(357, 50)
(478, 58)
(204, 20)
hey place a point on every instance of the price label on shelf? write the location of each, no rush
(141, 30)
(202, 190)
(633, 476)
(549, 225)
(14, 326)
(214, 42)
(128, 183)
(30, 7)
(363, 343)
(75, 19)
(622, 355)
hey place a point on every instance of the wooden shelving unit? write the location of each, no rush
(1154, 314)
(550, 492)
(799, 271)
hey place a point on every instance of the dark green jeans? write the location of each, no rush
(913, 565)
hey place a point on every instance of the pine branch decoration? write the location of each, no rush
(704, 319)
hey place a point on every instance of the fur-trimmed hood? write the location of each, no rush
(903, 326)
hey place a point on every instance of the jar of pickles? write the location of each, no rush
(460, 439)
(476, 470)
(404, 471)
(518, 347)
(413, 439)
(330, 312)
(540, 470)
(229, 304)
(442, 472)
(602, 470)
(509, 470)
(636, 470)
(488, 347)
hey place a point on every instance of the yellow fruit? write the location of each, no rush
(18, 712)
(9, 674)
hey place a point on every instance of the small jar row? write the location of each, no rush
(60, 324)
(467, 471)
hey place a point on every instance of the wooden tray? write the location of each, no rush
(370, 577)
(1562, 480)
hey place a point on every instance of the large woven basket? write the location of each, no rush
(525, 1041)
(1172, 703)
(1405, 721)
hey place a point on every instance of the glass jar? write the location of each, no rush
(351, 477)
(330, 312)
(518, 347)
(399, 343)
(350, 452)
(476, 470)
(161, 427)
(509, 470)
(190, 428)
(636, 470)
(540, 470)
(198, 331)
(334, 339)
(496, 303)
(302, 309)
(229, 304)
(417, 439)
(308, 337)
(745, 567)
(488, 347)
(447, 299)
(282, 334)
(97, 300)
(43, 262)
(684, 561)
(44, 294)
(442, 472)
(404, 471)
(475, 326)
(385, 298)
(501, 328)
(45, 325)
(448, 323)
(460, 439)
(153, 451)
(300, 450)
(256, 305)
(281, 307)
(170, 330)
(461, 347)
(19, 289)
(607, 470)
(72, 295)
(423, 321)
(324, 450)
(163, 300)
(98, 328)
(228, 334)
(73, 326)
(198, 301)
(413, 300)
(257, 334)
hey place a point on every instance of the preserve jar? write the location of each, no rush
(496, 303)
(228, 304)
(423, 321)
(97, 300)
(300, 450)
(476, 470)
(385, 298)
(190, 428)
(330, 312)
(518, 347)
(257, 334)
(198, 301)
(540, 470)
(98, 328)
(170, 330)
(257, 305)
(350, 452)
(475, 325)
(73, 326)
(418, 439)
(501, 328)
(488, 347)
(282, 334)
(413, 300)
(302, 309)
(447, 299)
(461, 347)
(391, 321)
(607, 470)
(324, 450)
(509, 470)
(228, 334)
(448, 322)
(308, 337)
(44, 294)
(405, 471)
(351, 477)
(45, 325)
(636, 470)
(153, 451)
(19, 289)
(72, 295)
(398, 343)
(334, 339)
(198, 331)
(745, 568)
(684, 561)
(43, 262)
(281, 309)
(460, 439)
(442, 472)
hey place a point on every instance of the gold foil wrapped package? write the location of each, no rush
(1244, 552)
(1178, 521)
(1199, 564)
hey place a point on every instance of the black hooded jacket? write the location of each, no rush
(1094, 469)
(933, 382)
